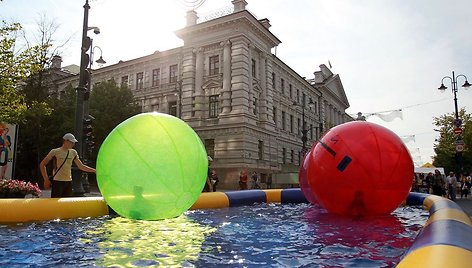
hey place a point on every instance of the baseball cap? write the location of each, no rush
(69, 137)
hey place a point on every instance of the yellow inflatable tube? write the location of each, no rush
(43, 209)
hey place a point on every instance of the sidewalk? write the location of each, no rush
(465, 204)
(93, 192)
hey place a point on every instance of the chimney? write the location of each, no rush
(326, 71)
(318, 77)
(56, 62)
(265, 23)
(239, 5)
(191, 17)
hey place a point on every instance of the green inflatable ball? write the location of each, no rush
(151, 166)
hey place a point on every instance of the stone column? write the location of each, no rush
(269, 90)
(251, 80)
(199, 96)
(240, 75)
(187, 83)
(226, 91)
(263, 111)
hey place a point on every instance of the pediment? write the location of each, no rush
(212, 83)
(335, 86)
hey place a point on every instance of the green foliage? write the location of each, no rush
(15, 66)
(445, 148)
(110, 105)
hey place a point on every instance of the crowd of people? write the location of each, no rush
(447, 186)
(245, 182)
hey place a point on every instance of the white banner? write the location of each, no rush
(391, 116)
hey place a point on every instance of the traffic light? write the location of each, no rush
(88, 133)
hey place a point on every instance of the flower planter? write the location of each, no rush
(18, 189)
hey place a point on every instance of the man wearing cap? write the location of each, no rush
(62, 173)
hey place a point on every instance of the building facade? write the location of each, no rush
(248, 107)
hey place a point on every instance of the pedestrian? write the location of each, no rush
(61, 179)
(438, 183)
(214, 179)
(429, 181)
(243, 180)
(255, 181)
(5, 149)
(451, 186)
(269, 182)
(208, 187)
(465, 186)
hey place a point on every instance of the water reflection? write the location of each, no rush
(127, 242)
(358, 238)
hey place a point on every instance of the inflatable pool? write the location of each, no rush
(444, 241)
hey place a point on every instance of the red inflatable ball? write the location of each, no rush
(360, 169)
(303, 179)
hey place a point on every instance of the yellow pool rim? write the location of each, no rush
(444, 241)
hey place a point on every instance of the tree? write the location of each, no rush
(110, 105)
(15, 66)
(33, 140)
(445, 148)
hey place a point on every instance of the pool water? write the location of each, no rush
(264, 235)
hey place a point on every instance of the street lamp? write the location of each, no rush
(304, 130)
(84, 80)
(453, 79)
(457, 121)
(100, 60)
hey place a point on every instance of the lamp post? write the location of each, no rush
(457, 121)
(304, 129)
(84, 81)
(85, 149)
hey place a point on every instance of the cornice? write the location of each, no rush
(242, 17)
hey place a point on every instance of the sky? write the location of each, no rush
(390, 55)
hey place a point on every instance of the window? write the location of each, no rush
(173, 73)
(290, 90)
(311, 131)
(282, 85)
(253, 67)
(156, 77)
(260, 148)
(213, 108)
(139, 80)
(173, 108)
(274, 115)
(124, 81)
(304, 99)
(298, 125)
(292, 158)
(284, 152)
(214, 65)
(298, 96)
(273, 80)
(210, 147)
(283, 120)
(255, 106)
(291, 123)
